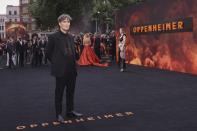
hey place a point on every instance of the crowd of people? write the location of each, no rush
(21, 52)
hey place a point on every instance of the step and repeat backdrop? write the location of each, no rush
(161, 34)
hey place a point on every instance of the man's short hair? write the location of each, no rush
(63, 17)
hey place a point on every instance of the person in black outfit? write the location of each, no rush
(77, 42)
(97, 45)
(35, 51)
(113, 45)
(11, 50)
(45, 44)
(61, 53)
(42, 45)
(21, 50)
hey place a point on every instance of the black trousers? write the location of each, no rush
(61, 82)
(113, 53)
(97, 52)
(35, 59)
(21, 59)
(11, 63)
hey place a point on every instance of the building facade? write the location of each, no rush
(16, 19)
(13, 13)
(2, 26)
(25, 15)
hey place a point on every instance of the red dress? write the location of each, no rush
(88, 57)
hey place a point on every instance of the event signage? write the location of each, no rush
(179, 25)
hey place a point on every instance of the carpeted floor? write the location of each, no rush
(160, 100)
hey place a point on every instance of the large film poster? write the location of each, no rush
(161, 34)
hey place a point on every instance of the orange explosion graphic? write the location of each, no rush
(171, 51)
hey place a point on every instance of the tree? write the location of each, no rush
(46, 12)
(104, 10)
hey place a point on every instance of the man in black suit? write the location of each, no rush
(60, 52)
(35, 50)
(21, 50)
(97, 45)
(113, 45)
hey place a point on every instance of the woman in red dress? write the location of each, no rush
(88, 57)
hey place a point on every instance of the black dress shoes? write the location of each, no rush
(60, 118)
(73, 114)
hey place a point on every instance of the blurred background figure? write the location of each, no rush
(88, 57)
(122, 50)
(97, 45)
(11, 51)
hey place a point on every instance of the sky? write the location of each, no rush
(4, 3)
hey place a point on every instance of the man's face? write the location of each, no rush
(65, 25)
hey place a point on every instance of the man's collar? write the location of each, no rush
(63, 33)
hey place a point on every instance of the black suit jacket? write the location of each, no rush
(20, 48)
(97, 43)
(60, 52)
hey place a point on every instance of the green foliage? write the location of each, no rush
(46, 11)
(104, 10)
